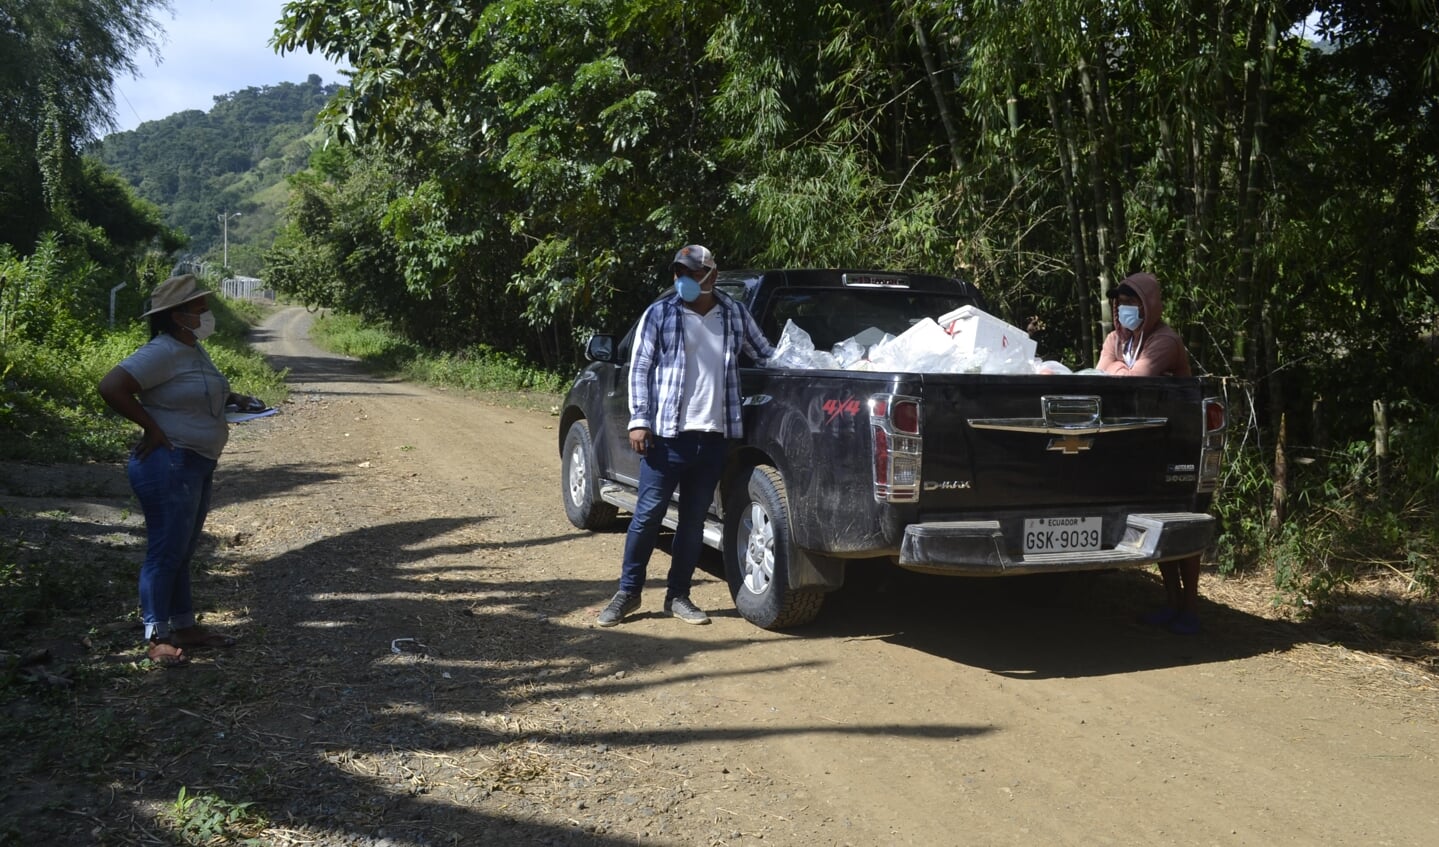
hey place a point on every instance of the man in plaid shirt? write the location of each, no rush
(684, 405)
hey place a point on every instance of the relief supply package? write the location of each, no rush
(967, 340)
(976, 330)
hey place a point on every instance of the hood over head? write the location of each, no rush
(1146, 287)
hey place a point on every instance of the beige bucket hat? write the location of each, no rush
(175, 291)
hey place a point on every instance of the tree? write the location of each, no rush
(58, 63)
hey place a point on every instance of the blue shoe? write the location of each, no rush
(682, 608)
(1184, 624)
(620, 605)
(1163, 616)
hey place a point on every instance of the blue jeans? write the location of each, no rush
(173, 487)
(693, 462)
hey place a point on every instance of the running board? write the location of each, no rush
(626, 499)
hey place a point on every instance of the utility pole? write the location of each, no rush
(225, 230)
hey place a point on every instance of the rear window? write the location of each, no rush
(830, 315)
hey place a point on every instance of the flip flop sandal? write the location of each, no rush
(178, 659)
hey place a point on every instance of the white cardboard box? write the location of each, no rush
(976, 330)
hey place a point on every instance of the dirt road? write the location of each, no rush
(915, 711)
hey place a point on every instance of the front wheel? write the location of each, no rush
(757, 554)
(580, 481)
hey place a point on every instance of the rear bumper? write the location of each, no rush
(979, 548)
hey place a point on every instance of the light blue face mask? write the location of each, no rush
(1129, 317)
(687, 288)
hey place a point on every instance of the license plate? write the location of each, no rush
(1061, 535)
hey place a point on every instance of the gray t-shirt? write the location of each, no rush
(184, 392)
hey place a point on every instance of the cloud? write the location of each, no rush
(211, 49)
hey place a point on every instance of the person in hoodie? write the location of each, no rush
(1142, 344)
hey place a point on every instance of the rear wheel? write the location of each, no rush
(580, 481)
(757, 554)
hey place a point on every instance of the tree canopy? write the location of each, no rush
(58, 63)
(553, 151)
(517, 173)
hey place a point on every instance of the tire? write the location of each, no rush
(757, 554)
(580, 481)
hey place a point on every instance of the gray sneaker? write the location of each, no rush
(682, 608)
(620, 605)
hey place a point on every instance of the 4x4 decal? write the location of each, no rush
(834, 408)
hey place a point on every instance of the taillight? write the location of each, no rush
(1211, 453)
(906, 416)
(894, 423)
(1214, 417)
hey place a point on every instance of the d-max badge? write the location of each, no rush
(948, 485)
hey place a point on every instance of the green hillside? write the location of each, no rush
(196, 166)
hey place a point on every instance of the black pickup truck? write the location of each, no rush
(967, 474)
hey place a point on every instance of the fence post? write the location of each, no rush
(112, 302)
(1381, 445)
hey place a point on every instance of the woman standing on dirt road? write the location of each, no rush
(173, 392)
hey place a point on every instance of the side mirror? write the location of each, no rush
(601, 348)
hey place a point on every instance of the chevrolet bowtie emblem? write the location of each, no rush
(1070, 445)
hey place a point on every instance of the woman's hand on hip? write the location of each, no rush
(153, 438)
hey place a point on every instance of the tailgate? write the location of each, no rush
(1037, 442)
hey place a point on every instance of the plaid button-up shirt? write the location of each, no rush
(657, 366)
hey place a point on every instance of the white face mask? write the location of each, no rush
(206, 327)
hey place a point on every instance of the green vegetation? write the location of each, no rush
(1346, 526)
(202, 819)
(477, 369)
(57, 346)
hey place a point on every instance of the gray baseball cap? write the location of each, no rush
(695, 257)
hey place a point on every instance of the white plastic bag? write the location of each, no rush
(848, 352)
(923, 348)
(794, 350)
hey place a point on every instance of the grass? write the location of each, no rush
(479, 368)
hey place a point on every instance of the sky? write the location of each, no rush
(211, 47)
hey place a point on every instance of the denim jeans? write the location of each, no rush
(693, 462)
(173, 487)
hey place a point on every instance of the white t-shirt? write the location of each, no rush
(702, 409)
(184, 392)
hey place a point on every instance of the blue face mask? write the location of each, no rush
(1129, 317)
(687, 288)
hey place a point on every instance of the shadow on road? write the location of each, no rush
(1035, 627)
(498, 663)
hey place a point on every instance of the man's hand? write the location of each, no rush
(640, 440)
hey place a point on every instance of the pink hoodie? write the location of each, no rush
(1157, 350)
